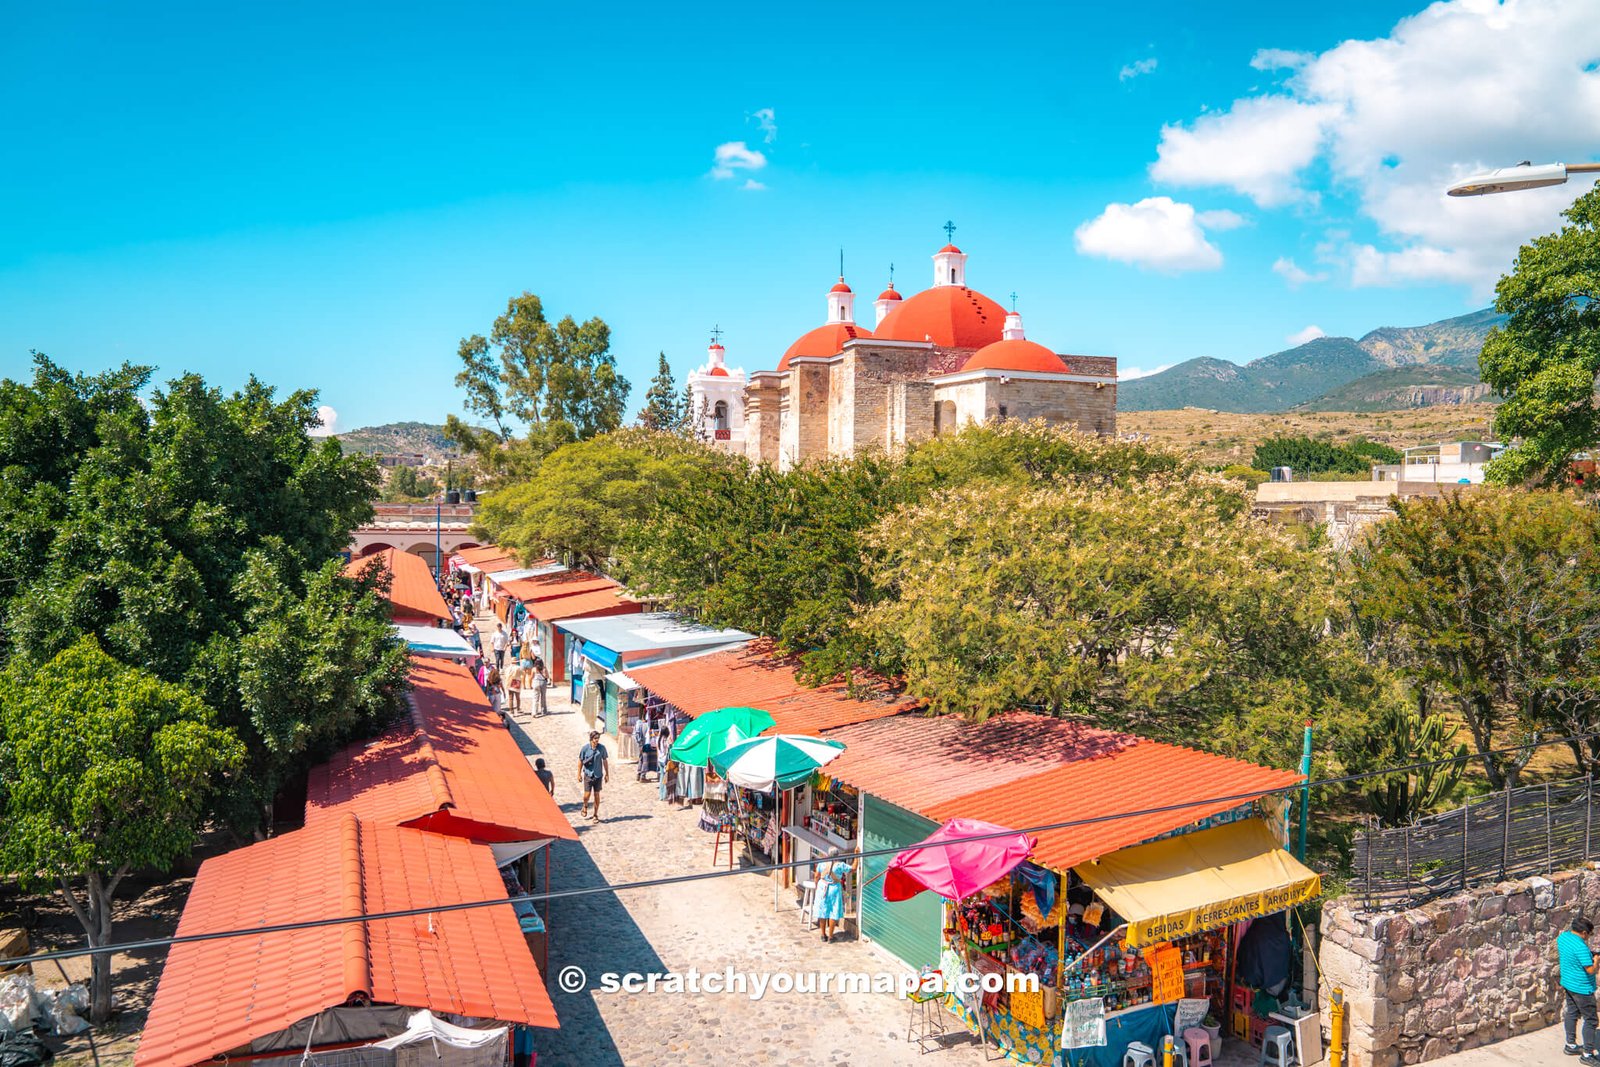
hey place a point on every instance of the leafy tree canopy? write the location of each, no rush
(106, 769)
(666, 407)
(1491, 602)
(580, 498)
(558, 379)
(1307, 455)
(1545, 358)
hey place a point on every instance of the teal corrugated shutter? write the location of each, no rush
(910, 929)
(611, 709)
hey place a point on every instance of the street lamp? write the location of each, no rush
(1524, 175)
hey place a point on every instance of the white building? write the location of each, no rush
(716, 401)
(1450, 462)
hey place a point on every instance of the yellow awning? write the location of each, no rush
(1200, 881)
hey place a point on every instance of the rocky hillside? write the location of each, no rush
(1391, 368)
(426, 438)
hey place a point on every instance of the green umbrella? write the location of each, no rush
(715, 731)
(784, 760)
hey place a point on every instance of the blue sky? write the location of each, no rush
(330, 196)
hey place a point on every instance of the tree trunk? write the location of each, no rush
(93, 912)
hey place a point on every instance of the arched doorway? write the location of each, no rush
(376, 546)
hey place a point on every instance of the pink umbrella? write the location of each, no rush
(953, 865)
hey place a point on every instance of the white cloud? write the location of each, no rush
(1258, 147)
(1157, 232)
(1221, 219)
(767, 119)
(1461, 86)
(330, 422)
(1128, 374)
(752, 184)
(1280, 59)
(1300, 337)
(1136, 68)
(1294, 274)
(736, 156)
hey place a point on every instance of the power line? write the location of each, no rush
(681, 879)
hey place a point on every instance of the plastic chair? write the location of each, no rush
(1139, 1055)
(1198, 1043)
(1277, 1047)
(808, 903)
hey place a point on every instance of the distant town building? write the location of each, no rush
(416, 528)
(1452, 462)
(941, 359)
(402, 459)
(716, 400)
(1342, 509)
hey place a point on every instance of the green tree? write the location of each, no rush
(559, 379)
(1243, 472)
(1374, 450)
(582, 496)
(1307, 455)
(106, 770)
(1545, 358)
(138, 529)
(1158, 607)
(1490, 601)
(408, 484)
(665, 407)
(782, 553)
(315, 666)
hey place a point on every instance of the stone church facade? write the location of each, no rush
(934, 362)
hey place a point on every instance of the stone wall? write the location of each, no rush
(1454, 973)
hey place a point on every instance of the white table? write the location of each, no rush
(1307, 1031)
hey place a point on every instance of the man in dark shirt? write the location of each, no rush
(593, 771)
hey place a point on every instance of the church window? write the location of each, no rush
(1002, 411)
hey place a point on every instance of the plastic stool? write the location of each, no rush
(1180, 1055)
(1199, 1046)
(808, 903)
(1138, 1055)
(1277, 1047)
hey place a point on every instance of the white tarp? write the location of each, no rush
(425, 1026)
(429, 1041)
(511, 851)
(623, 682)
(434, 641)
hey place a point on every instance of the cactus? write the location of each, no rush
(1413, 735)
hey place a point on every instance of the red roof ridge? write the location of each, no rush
(357, 949)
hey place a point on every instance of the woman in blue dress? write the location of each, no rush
(831, 877)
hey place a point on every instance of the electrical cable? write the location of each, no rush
(681, 879)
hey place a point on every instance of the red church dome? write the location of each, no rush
(949, 315)
(718, 372)
(824, 341)
(890, 294)
(1016, 355)
(840, 287)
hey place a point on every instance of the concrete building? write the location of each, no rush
(934, 362)
(1449, 462)
(414, 528)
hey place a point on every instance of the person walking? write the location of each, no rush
(513, 687)
(499, 643)
(543, 774)
(641, 742)
(831, 876)
(1577, 982)
(495, 690)
(541, 681)
(594, 770)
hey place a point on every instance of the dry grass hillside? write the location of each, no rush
(1222, 437)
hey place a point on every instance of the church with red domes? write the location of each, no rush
(933, 362)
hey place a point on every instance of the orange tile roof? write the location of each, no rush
(754, 677)
(546, 586)
(490, 558)
(579, 604)
(453, 769)
(1148, 774)
(217, 996)
(921, 762)
(412, 592)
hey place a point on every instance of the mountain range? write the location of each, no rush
(1390, 368)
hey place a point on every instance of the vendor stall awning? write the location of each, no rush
(600, 655)
(1193, 882)
(622, 681)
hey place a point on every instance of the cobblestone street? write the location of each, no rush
(710, 926)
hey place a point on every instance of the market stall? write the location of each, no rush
(1151, 940)
(823, 814)
(763, 776)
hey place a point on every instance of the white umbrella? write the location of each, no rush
(783, 760)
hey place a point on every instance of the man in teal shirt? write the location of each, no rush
(1577, 980)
